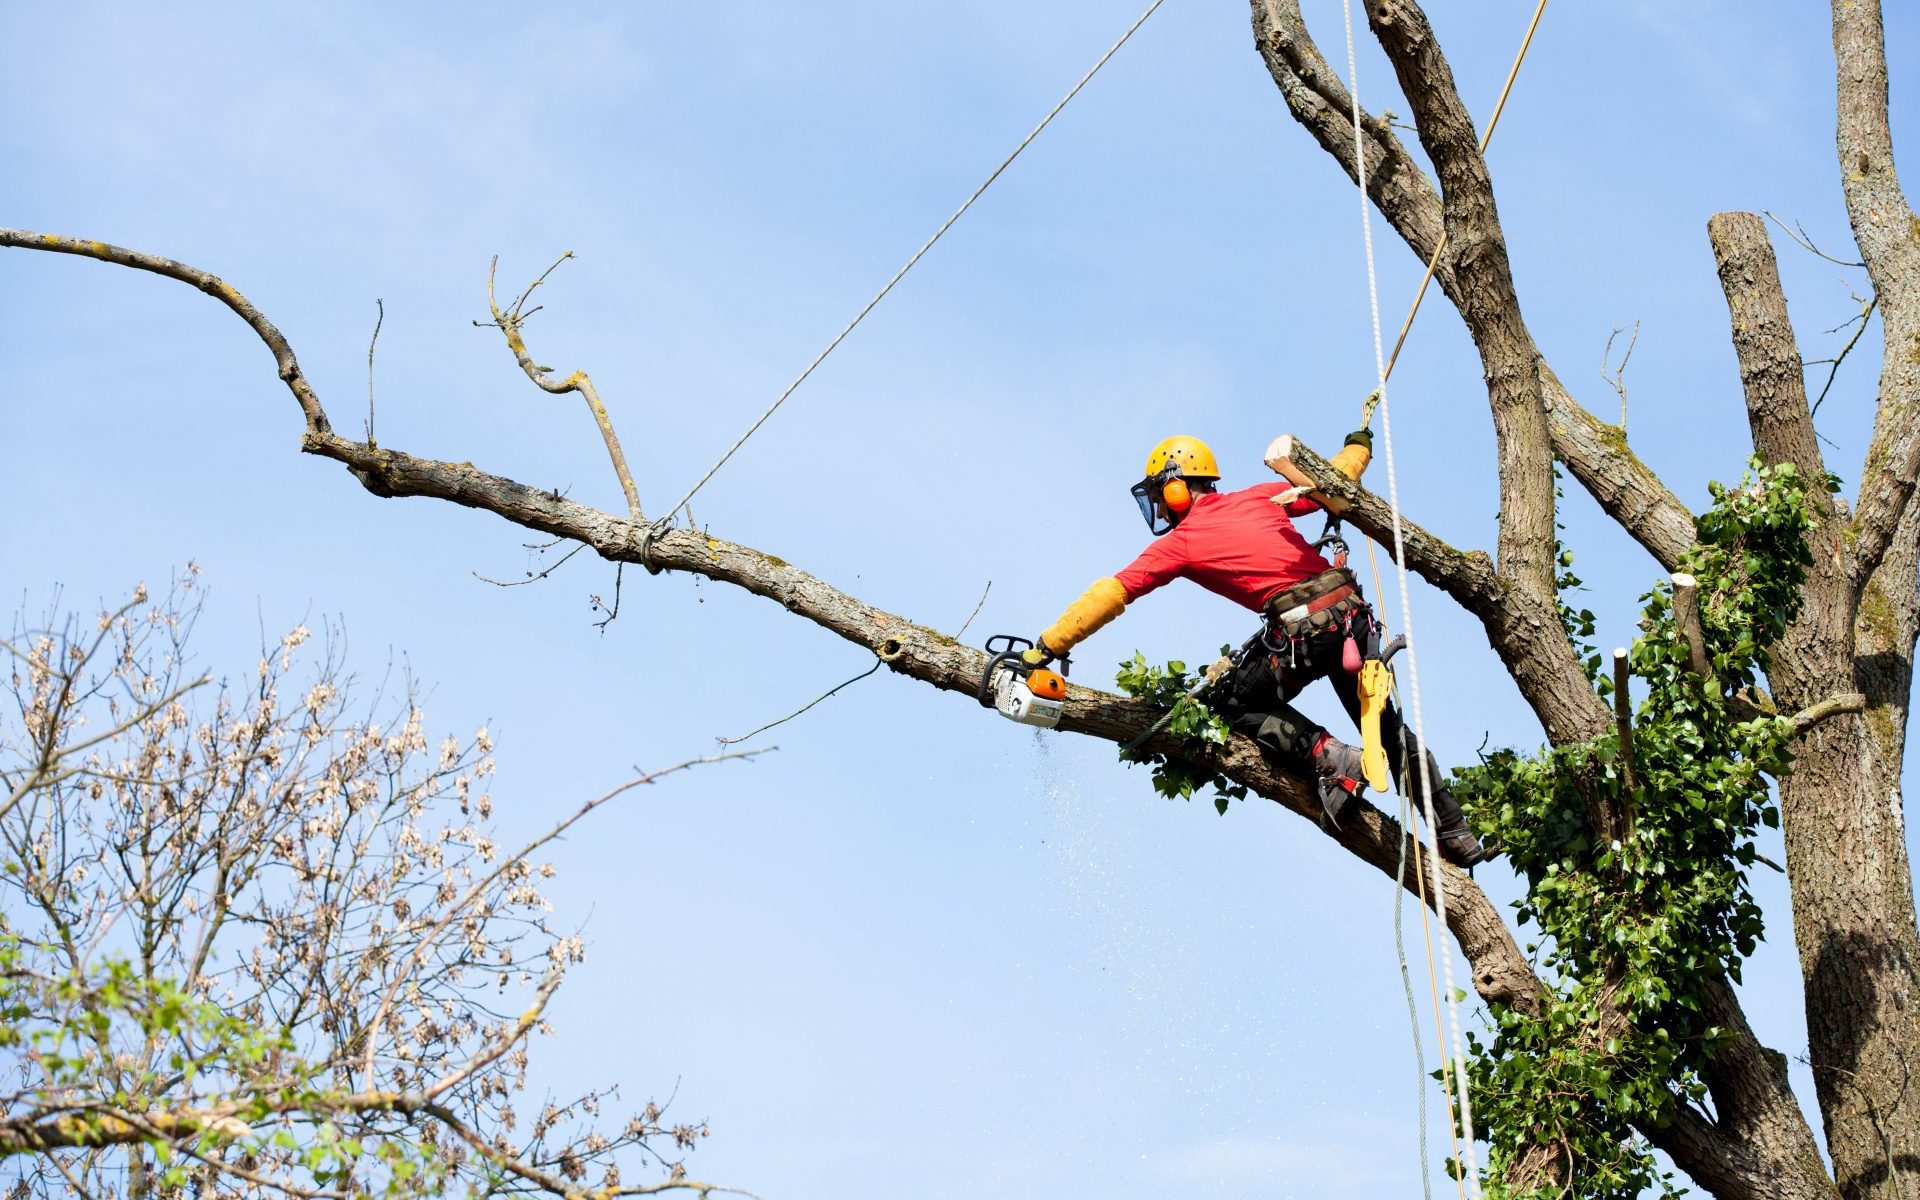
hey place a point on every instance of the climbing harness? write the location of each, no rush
(658, 526)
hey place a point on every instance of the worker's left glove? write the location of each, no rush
(1360, 437)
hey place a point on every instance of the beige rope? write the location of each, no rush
(1493, 122)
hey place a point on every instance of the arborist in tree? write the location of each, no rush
(1243, 545)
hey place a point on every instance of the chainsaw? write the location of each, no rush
(1020, 690)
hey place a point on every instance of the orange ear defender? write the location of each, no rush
(1176, 495)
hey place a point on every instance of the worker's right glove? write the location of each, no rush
(1039, 656)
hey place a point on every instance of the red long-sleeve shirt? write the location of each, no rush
(1239, 545)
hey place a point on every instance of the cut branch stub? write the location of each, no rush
(1280, 460)
(1686, 618)
(1623, 717)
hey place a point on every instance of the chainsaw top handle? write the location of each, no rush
(1002, 644)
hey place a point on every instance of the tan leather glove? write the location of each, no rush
(1101, 603)
(1355, 455)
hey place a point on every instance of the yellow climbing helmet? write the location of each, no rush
(1163, 495)
(1190, 454)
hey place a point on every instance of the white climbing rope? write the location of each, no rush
(880, 295)
(1406, 980)
(1469, 1165)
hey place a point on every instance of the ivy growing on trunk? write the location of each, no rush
(1640, 895)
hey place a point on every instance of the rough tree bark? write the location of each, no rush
(1851, 882)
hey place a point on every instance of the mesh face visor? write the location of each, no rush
(1146, 494)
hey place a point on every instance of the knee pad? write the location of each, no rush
(1288, 739)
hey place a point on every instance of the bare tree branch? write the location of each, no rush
(1487, 299)
(1888, 235)
(212, 285)
(378, 321)
(1832, 706)
(1859, 321)
(479, 888)
(1799, 234)
(1763, 338)
(1595, 452)
(978, 604)
(1321, 103)
(532, 577)
(835, 690)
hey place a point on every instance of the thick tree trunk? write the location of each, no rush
(1852, 884)
(1854, 925)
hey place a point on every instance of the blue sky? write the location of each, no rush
(918, 949)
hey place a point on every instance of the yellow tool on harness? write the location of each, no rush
(1376, 683)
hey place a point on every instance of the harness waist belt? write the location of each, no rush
(1301, 612)
(1308, 590)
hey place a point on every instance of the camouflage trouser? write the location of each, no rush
(1258, 705)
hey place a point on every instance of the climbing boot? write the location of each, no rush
(1458, 845)
(1340, 775)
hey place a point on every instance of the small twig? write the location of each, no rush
(509, 323)
(618, 569)
(531, 577)
(490, 1054)
(975, 612)
(725, 741)
(1617, 376)
(371, 343)
(555, 1185)
(432, 936)
(1864, 318)
(1807, 242)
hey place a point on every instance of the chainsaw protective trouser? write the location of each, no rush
(1258, 705)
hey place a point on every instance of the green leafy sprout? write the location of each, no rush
(1197, 730)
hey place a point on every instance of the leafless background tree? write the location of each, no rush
(260, 936)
